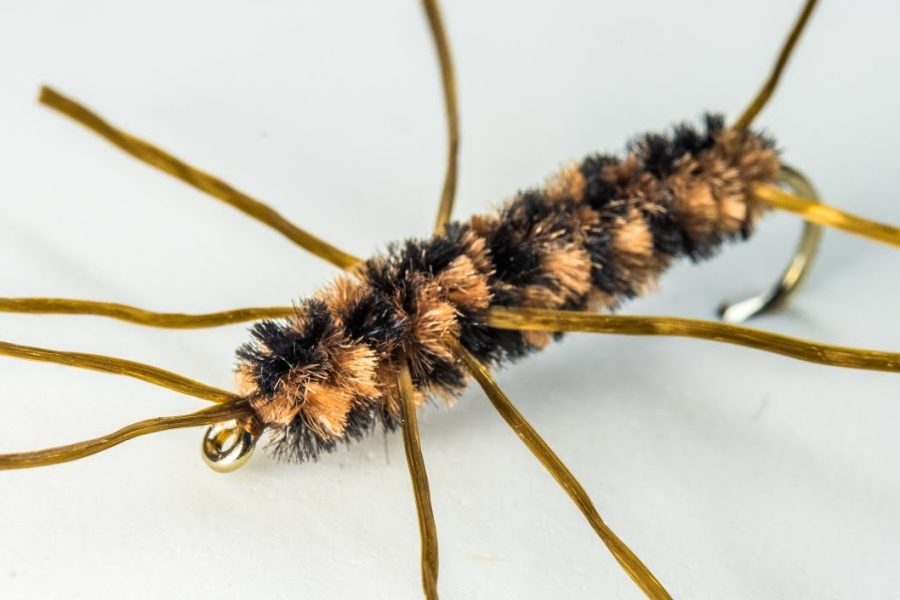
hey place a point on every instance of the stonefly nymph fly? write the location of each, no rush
(417, 321)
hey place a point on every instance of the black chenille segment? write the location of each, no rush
(603, 269)
(668, 237)
(433, 255)
(659, 154)
(278, 346)
(297, 443)
(443, 373)
(598, 192)
(494, 346)
(516, 260)
(374, 320)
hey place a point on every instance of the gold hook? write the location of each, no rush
(227, 446)
(769, 300)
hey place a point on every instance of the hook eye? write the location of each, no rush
(227, 446)
(797, 269)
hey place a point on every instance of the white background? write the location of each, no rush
(732, 473)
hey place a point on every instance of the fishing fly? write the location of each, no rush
(420, 320)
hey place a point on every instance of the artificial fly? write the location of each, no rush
(417, 321)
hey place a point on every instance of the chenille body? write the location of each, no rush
(597, 233)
